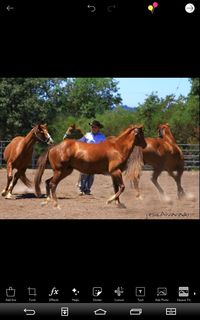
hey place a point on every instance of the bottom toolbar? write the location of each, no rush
(87, 310)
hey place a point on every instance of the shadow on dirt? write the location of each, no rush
(28, 196)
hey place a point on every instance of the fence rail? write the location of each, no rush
(190, 151)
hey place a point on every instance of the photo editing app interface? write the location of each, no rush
(103, 148)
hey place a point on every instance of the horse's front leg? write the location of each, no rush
(6, 193)
(116, 189)
(117, 184)
(13, 183)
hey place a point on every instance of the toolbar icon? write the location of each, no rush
(161, 292)
(29, 312)
(32, 291)
(10, 292)
(111, 7)
(75, 291)
(152, 6)
(64, 312)
(9, 8)
(91, 8)
(54, 292)
(140, 291)
(100, 312)
(183, 291)
(135, 311)
(170, 311)
(96, 291)
(189, 8)
(119, 291)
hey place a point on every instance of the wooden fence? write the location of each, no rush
(190, 151)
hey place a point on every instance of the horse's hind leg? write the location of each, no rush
(117, 183)
(9, 180)
(177, 178)
(154, 178)
(47, 182)
(48, 194)
(136, 186)
(57, 177)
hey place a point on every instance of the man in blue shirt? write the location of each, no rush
(95, 136)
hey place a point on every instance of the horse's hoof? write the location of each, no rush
(167, 199)
(108, 202)
(8, 196)
(190, 196)
(44, 203)
(139, 198)
(4, 193)
(57, 207)
(121, 205)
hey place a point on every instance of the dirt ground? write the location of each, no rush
(25, 205)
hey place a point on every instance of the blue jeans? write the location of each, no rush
(86, 181)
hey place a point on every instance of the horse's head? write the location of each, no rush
(42, 134)
(162, 129)
(73, 132)
(139, 136)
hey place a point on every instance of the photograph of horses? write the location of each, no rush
(133, 143)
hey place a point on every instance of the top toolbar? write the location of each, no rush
(108, 8)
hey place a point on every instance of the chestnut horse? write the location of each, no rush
(161, 153)
(107, 157)
(18, 154)
(73, 132)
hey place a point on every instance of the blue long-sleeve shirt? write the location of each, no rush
(90, 137)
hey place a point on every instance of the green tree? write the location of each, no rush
(26, 101)
(87, 97)
(149, 112)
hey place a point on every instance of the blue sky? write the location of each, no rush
(134, 90)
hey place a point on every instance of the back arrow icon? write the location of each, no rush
(29, 312)
(9, 8)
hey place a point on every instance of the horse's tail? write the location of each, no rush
(25, 180)
(134, 164)
(41, 163)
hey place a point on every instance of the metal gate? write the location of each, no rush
(190, 151)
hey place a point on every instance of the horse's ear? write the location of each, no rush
(167, 124)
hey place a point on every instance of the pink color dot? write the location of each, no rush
(155, 4)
